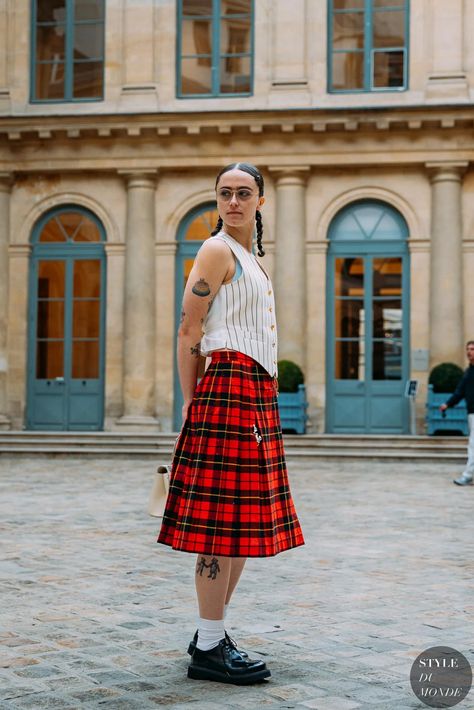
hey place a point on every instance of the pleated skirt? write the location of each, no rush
(229, 493)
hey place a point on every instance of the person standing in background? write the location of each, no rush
(465, 390)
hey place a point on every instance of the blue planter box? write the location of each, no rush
(293, 406)
(455, 419)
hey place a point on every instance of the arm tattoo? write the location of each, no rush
(201, 288)
(196, 350)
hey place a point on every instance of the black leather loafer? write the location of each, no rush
(224, 664)
(192, 645)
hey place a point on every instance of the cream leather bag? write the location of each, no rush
(159, 491)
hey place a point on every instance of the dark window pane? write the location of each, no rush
(235, 75)
(387, 360)
(87, 278)
(51, 10)
(50, 319)
(349, 360)
(349, 319)
(51, 279)
(388, 69)
(387, 276)
(50, 43)
(349, 277)
(85, 360)
(49, 81)
(348, 4)
(88, 231)
(387, 319)
(88, 41)
(88, 9)
(348, 71)
(88, 80)
(86, 319)
(196, 76)
(202, 225)
(49, 359)
(52, 232)
(196, 38)
(197, 7)
(348, 30)
(235, 36)
(389, 29)
(236, 7)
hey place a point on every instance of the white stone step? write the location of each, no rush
(159, 446)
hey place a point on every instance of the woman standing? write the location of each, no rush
(229, 497)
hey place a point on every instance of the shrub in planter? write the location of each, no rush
(290, 376)
(292, 397)
(445, 377)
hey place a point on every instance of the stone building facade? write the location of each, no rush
(114, 119)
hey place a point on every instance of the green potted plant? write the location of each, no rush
(442, 382)
(292, 401)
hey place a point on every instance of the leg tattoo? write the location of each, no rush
(213, 567)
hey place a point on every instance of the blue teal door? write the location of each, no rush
(194, 229)
(368, 321)
(66, 323)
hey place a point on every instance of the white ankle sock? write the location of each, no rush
(210, 632)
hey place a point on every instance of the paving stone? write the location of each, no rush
(40, 701)
(338, 621)
(38, 671)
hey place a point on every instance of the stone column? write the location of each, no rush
(446, 292)
(448, 77)
(139, 303)
(5, 189)
(290, 263)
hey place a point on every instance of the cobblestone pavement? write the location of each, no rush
(95, 614)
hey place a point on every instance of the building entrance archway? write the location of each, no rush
(66, 343)
(194, 229)
(368, 321)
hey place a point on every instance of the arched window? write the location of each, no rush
(367, 319)
(66, 350)
(194, 229)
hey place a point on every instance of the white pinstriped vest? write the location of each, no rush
(242, 315)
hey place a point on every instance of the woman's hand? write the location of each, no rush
(184, 411)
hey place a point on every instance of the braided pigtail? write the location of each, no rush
(218, 228)
(258, 220)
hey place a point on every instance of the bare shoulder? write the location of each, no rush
(215, 250)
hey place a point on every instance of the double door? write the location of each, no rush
(368, 341)
(66, 339)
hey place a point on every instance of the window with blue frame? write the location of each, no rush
(368, 45)
(67, 50)
(215, 48)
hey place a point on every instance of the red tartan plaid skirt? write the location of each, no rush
(229, 492)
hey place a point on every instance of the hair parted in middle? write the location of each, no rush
(258, 177)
